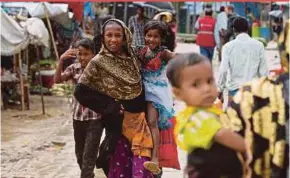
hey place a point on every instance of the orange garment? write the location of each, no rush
(135, 128)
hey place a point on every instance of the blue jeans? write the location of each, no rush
(207, 52)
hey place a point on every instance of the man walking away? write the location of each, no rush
(205, 35)
(136, 26)
(243, 59)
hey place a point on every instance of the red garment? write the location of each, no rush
(78, 10)
(205, 35)
(168, 155)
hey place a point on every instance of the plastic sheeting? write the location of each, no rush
(57, 12)
(15, 38)
(37, 31)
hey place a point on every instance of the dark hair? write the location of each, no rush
(156, 24)
(141, 8)
(208, 12)
(178, 63)
(87, 44)
(248, 9)
(222, 8)
(240, 24)
(230, 7)
(165, 32)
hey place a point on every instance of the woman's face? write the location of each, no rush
(113, 37)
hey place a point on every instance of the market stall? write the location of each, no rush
(15, 38)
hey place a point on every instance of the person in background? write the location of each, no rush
(205, 35)
(136, 26)
(277, 27)
(251, 19)
(242, 58)
(87, 124)
(221, 24)
(231, 18)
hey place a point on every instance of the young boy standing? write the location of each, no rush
(86, 123)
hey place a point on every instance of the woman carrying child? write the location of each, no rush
(113, 77)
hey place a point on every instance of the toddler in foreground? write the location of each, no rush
(211, 148)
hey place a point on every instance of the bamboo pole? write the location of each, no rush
(40, 79)
(50, 30)
(125, 12)
(21, 80)
(114, 9)
(27, 63)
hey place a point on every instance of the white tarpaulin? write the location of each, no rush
(57, 12)
(36, 9)
(37, 31)
(15, 38)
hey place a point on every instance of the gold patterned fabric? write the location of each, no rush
(116, 76)
(259, 112)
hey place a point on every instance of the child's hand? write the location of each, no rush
(70, 53)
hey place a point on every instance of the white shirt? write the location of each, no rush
(221, 23)
(243, 59)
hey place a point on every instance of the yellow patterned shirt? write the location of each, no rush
(196, 127)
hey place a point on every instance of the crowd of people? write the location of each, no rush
(124, 82)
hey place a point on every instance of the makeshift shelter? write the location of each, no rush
(57, 12)
(15, 39)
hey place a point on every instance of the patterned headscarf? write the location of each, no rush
(127, 37)
(114, 75)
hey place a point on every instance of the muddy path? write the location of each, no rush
(36, 145)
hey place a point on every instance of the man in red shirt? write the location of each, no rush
(205, 35)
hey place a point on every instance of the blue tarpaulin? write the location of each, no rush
(88, 11)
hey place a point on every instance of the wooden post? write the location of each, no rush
(27, 84)
(114, 9)
(51, 33)
(125, 12)
(40, 79)
(187, 19)
(21, 80)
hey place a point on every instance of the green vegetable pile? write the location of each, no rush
(61, 90)
(37, 90)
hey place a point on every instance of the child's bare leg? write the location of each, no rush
(152, 114)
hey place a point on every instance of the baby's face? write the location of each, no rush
(197, 85)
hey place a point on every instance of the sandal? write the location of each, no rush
(152, 167)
